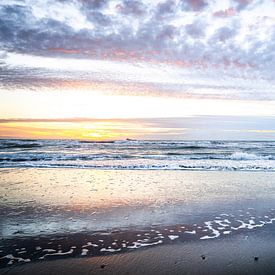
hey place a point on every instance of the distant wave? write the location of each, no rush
(18, 145)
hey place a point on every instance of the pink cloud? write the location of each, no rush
(225, 13)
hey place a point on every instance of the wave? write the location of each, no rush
(96, 142)
(247, 156)
(249, 167)
(11, 145)
(61, 157)
(170, 156)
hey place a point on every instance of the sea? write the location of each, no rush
(139, 154)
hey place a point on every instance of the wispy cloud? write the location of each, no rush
(21, 71)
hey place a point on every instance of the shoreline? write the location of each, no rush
(231, 255)
(24, 249)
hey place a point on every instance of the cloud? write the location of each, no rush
(237, 36)
(131, 7)
(165, 8)
(225, 13)
(98, 27)
(196, 29)
(93, 4)
(194, 5)
(21, 72)
(224, 34)
(242, 4)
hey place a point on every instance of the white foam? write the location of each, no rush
(109, 250)
(149, 244)
(246, 156)
(173, 237)
(59, 253)
(138, 245)
(222, 223)
(250, 225)
(135, 245)
(49, 250)
(89, 244)
(84, 252)
(215, 232)
(271, 221)
(190, 232)
(12, 259)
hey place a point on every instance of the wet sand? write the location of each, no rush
(135, 221)
(232, 255)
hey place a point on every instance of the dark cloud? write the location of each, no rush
(98, 18)
(196, 29)
(242, 4)
(224, 33)
(13, 19)
(93, 4)
(164, 9)
(194, 5)
(131, 7)
(163, 30)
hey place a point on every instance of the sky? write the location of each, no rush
(163, 69)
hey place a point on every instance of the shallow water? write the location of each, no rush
(48, 213)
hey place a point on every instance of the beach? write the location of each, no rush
(137, 137)
(135, 221)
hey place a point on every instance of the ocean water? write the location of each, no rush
(139, 154)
